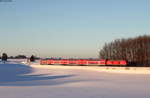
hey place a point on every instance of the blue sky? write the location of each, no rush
(69, 28)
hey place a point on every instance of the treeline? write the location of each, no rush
(20, 57)
(135, 50)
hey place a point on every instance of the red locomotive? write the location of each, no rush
(82, 62)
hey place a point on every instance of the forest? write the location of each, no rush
(136, 51)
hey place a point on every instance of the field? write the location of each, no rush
(35, 81)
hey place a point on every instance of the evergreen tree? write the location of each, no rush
(32, 58)
(4, 57)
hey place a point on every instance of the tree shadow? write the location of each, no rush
(17, 75)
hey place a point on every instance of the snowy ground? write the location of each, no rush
(33, 81)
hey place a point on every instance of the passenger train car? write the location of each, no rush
(83, 62)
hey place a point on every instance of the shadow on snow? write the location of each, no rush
(17, 75)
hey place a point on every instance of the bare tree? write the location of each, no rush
(132, 49)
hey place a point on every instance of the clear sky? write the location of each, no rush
(69, 28)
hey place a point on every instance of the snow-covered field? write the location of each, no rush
(34, 81)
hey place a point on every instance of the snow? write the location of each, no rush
(18, 80)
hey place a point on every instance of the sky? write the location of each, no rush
(69, 28)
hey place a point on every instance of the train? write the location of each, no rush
(83, 62)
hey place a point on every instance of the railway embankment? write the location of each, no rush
(109, 69)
